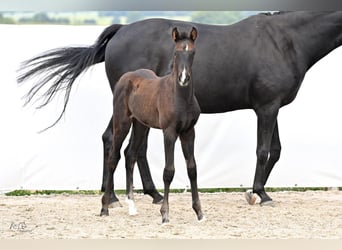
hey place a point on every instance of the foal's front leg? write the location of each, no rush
(188, 140)
(169, 171)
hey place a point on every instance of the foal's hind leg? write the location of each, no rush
(146, 179)
(131, 153)
(107, 144)
(121, 128)
(187, 141)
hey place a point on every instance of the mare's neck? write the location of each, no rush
(314, 34)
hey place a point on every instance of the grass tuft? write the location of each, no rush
(23, 192)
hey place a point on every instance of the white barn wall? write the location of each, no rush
(69, 156)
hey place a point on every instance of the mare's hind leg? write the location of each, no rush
(107, 144)
(121, 128)
(145, 173)
(131, 153)
(273, 158)
(169, 171)
(187, 141)
(267, 117)
(274, 152)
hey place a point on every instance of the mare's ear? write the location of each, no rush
(193, 34)
(175, 34)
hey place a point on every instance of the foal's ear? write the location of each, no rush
(175, 34)
(193, 34)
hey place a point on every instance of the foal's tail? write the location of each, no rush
(62, 66)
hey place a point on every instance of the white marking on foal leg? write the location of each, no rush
(250, 197)
(131, 207)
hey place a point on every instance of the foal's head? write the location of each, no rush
(183, 55)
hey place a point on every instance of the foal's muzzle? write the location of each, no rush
(183, 80)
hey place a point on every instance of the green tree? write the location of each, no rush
(133, 16)
(6, 20)
(217, 17)
(41, 18)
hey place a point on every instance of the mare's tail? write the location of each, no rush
(62, 66)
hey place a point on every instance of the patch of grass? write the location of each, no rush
(23, 192)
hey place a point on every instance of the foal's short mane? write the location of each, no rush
(273, 13)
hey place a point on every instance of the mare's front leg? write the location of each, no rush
(188, 141)
(170, 137)
(267, 120)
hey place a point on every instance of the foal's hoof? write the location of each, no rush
(268, 203)
(131, 207)
(203, 219)
(104, 212)
(115, 204)
(165, 222)
(250, 197)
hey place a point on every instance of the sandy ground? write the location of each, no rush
(296, 215)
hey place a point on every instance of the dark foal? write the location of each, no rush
(147, 101)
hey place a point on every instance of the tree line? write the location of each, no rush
(209, 17)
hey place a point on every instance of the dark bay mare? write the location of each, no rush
(258, 63)
(144, 100)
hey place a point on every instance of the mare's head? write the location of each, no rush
(183, 55)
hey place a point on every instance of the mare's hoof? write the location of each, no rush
(250, 197)
(268, 203)
(115, 204)
(158, 200)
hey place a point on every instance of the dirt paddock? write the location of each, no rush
(296, 215)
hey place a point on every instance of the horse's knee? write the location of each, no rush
(275, 155)
(262, 156)
(130, 155)
(192, 172)
(107, 137)
(168, 175)
(114, 158)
